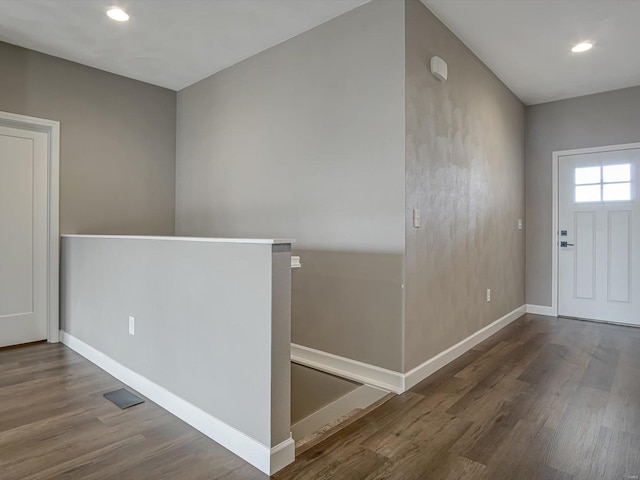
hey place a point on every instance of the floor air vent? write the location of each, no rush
(123, 398)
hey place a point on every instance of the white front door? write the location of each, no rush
(599, 236)
(23, 236)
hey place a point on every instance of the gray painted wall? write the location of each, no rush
(609, 118)
(311, 390)
(465, 171)
(195, 332)
(306, 140)
(117, 159)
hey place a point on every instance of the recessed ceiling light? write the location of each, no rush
(117, 14)
(582, 47)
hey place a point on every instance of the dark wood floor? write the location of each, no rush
(545, 398)
(55, 424)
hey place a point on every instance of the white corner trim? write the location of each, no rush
(361, 397)
(268, 460)
(268, 241)
(388, 379)
(554, 231)
(541, 310)
(347, 368)
(419, 373)
(282, 455)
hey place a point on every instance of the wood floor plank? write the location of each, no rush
(417, 441)
(617, 455)
(576, 437)
(492, 397)
(545, 363)
(601, 369)
(623, 408)
(519, 455)
(548, 473)
(418, 453)
(455, 467)
(484, 437)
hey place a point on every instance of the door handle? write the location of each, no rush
(565, 244)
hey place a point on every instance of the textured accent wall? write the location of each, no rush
(609, 118)
(117, 141)
(465, 171)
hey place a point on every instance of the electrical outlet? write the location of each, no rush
(519, 224)
(132, 325)
(416, 218)
(488, 295)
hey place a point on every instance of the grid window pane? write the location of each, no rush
(587, 175)
(612, 192)
(617, 173)
(587, 193)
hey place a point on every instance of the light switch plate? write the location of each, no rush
(416, 218)
(519, 224)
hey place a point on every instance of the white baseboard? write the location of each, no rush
(347, 368)
(361, 397)
(388, 379)
(419, 373)
(541, 310)
(281, 455)
(268, 460)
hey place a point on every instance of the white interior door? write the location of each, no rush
(599, 249)
(23, 236)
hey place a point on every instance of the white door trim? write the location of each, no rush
(52, 129)
(555, 228)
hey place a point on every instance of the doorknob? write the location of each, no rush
(565, 244)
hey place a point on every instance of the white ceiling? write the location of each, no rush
(527, 43)
(174, 43)
(171, 43)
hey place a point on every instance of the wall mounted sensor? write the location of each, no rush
(439, 68)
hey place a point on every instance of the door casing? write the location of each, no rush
(52, 129)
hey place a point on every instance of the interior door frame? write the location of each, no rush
(555, 228)
(52, 129)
